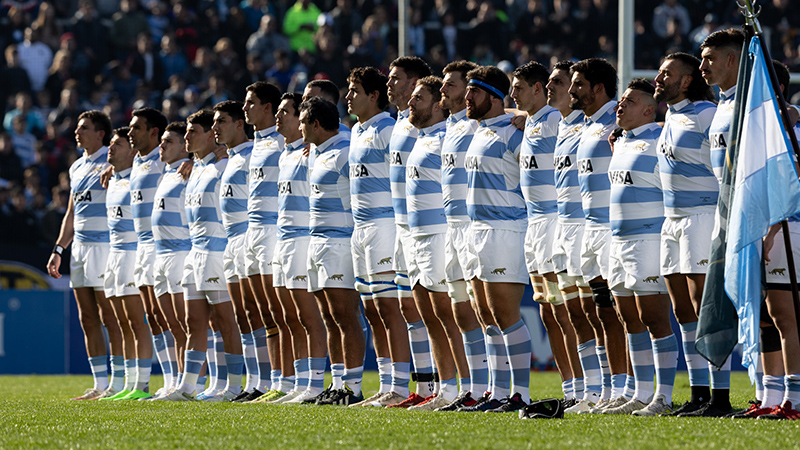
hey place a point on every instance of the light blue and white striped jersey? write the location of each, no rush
(537, 162)
(594, 154)
(684, 159)
(494, 198)
(293, 192)
(262, 206)
(637, 204)
(122, 235)
(89, 197)
(370, 191)
(424, 183)
(344, 130)
(170, 229)
(719, 131)
(203, 213)
(403, 137)
(235, 190)
(329, 199)
(568, 191)
(460, 130)
(145, 176)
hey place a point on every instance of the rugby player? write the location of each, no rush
(85, 223)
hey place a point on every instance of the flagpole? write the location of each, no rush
(751, 16)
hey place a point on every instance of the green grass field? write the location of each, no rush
(35, 413)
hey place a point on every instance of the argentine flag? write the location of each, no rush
(766, 191)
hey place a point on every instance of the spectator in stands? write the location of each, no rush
(24, 142)
(146, 63)
(49, 30)
(68, 109)
(175, 90)
(346, 21)
(158, 20)
(217, 92)
(60, 72)
(255, 10)
(668, 11)
(23, 105)
(266, 40)
(227, 59)
(35, 57)
(281, 73)
(699, 34)
(91, 37)
(20, 224)
(192, 102)
(300, 23)
(10, 163)
(126, 26)
(203, 65)
(54, 214)
(13, 78)
(172, 59)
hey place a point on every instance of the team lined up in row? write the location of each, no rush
(438, 220)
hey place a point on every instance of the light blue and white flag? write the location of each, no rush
(766, 191)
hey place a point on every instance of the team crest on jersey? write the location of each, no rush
(684, 121)
(459, 128)
(144, 167)
(599, 133)
(729, 107)
(408, 128)
(97, 169)
(490, 133)
(368, 140)
(535, 131)
(640, 147)
(575, 129)
(651, 279)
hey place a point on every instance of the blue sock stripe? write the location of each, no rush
(194, 361)
(618, 380)
(235, 364)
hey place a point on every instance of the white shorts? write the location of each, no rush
(373, 249)
(118, 281)
(500, 255)
(686, 244)
(777, 268)
(403, 253)
(145, 258)
(539, 244)
(427, 267)
(633, 269)
(594, 253)
(290, 263)
(330, 264)
(259, 249)
(567, 248)
(233, 259)
(168, 273)
(204, 270)
(459, 261)
(88, 265)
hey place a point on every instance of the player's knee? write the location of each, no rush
(457, 290)
(770, 339)
(602, 295)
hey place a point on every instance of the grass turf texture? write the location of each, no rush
(35, 413)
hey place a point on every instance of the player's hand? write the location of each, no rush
(612, 138)
(185, 169)
(105, 176)
(53, 264)
(794, 115)
(769, 241)
(519, 121)
(307, 150)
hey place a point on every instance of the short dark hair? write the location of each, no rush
(532, 73)
(732, 38)
(413, 66)
(266, 93)
(782, 72)
(372, 81)
(101, 122)
(327, 88)
(320, 110)
(121, 132)
(177, 127)
(460, 66)
(296, 98)
(698, 88)
(641, 84)
(231, 108)
(153, 118)
(598, 71)
(492, 76)
(563, 65)
(204, 118)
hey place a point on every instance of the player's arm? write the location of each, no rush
(64, 238)
(105, 176)
(185, 169)
(769, 240)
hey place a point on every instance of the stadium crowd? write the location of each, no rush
(64, 57)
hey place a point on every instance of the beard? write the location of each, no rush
(419, 118)
(669, 92)
(580, 103)
(478, 111)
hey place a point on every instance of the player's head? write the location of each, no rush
(637, 105)
(454, 84)
(260, 103)
(326, 89)
(720, 53)
(366, 91)
(120, 152)
(403, 74)
(528, 85)
(782, 72)
(487, 87)
(288, 116)
(229, 122)
(679, 77)
(319, 119)
(199, 137)
(93, 130)
(147, 125)
(424, 103)
(558, 84)
(173, 143)
(594, 82)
